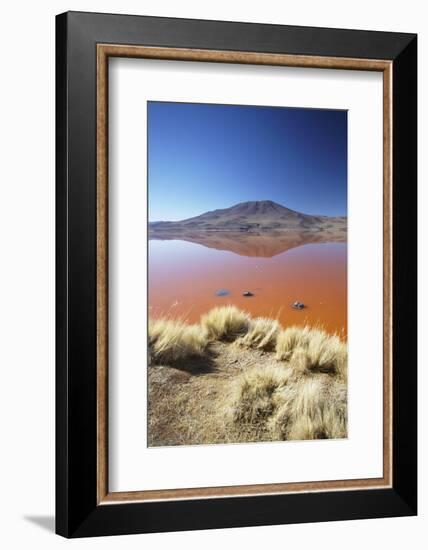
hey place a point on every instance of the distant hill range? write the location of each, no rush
(256, 228)
(253, 216)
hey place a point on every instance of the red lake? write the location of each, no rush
(185, 277)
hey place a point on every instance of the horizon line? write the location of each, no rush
(247, 202)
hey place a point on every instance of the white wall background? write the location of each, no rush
(27, 271)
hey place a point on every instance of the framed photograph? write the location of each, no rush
(236, 274)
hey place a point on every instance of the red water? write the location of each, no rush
(184, 278)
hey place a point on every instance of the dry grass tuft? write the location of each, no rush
(225, 323)
(290, 339)
(316, 410)
(173, 341)
(252, 398)
(262, 334)
(304, 396)
(276, 403)
(312, 350)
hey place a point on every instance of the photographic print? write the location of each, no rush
(247, 274)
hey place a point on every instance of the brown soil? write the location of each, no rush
(186, 404)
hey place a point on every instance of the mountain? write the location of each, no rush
(249, 217)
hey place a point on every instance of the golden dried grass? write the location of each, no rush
(277, 402)
(262, 334)
(298, 392)
(302, 396)
(172, 341)
(225, 323)
(312, 408)
(312, 350)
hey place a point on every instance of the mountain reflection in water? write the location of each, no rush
(264, 244)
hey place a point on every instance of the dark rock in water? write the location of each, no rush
(222, 292)
(298, 305)
(247, 293)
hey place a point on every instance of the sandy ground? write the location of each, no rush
(186, 404)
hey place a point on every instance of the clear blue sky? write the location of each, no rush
(202, 157)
